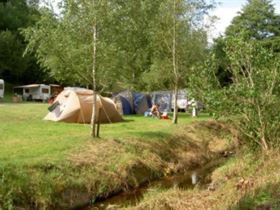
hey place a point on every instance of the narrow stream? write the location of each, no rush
(188, 180)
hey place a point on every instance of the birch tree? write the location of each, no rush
(174, 64)
(179, 41)
(75, 47)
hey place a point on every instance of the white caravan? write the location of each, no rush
(34, 92)
(2, 88)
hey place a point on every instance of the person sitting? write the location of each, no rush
(155, 112)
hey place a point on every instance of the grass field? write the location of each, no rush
(42, 161)
(26, 138)
(48, 165)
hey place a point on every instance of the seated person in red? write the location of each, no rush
(154, 111)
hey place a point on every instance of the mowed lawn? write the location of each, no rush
(25, 138)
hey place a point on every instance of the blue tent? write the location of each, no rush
(124, 102)
(141, 102)
(132, 103)
(126, 108)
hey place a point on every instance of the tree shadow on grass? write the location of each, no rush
(127, 120)
(264, 198)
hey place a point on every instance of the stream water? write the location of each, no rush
(199, 177)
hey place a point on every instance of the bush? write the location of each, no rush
(253, 93)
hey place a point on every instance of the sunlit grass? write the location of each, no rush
(27, 138)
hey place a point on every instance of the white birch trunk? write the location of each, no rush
(93, 117)
(175, 111)
(175, 71)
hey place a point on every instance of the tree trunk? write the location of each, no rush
(175, 111)
(98, 122)
(262, 129)
(93, 117)
(264, 144)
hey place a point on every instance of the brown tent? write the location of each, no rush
(76, 107)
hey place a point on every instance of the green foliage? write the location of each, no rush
(256, 21)
(13, 66)
(253, 94)
(121, 43)
(132, 37)
(11, 49)
(15, 14)
(244, 73)
(189, 35)
(255, 90)
(133, 42)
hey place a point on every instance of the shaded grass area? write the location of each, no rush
(47, 165)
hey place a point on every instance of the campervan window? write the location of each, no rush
(45, 90)
(18, 91)
(1, 86)
(26, 90)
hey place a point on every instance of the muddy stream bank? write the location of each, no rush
(198, 177)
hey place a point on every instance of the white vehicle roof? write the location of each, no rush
(31, 86)
(75, 88)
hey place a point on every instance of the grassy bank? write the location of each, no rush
(46, 165)
(245, 182)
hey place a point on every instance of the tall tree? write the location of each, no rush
(130, 25)
(178, 42)
(80, 48)
(174, 64)
(15, 15)
(256, 21)
(94, 132)
(102, 43)
(253, 94)
(248, 56)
